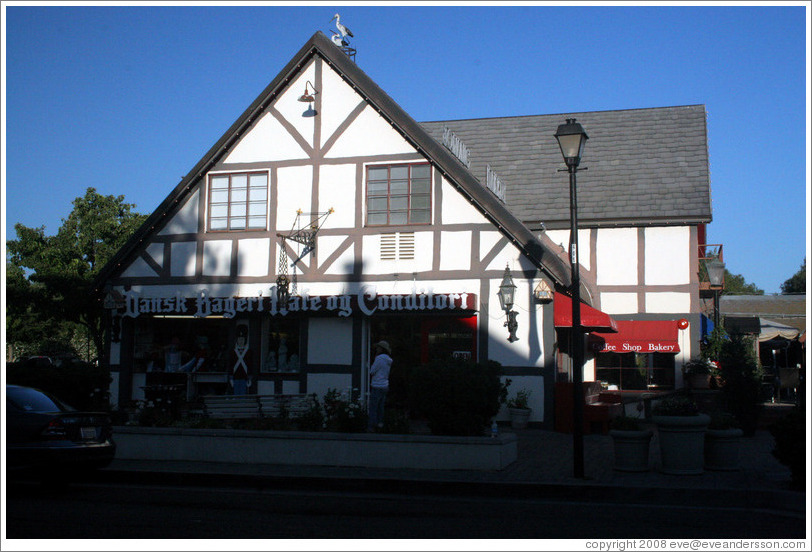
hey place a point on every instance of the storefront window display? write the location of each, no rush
(635, 371)
(178, 344)
(281, 346)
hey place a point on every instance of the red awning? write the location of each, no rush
(592, 320)
(638, 336)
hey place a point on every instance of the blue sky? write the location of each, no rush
(128, 99)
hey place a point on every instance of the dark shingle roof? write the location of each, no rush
(645, 165)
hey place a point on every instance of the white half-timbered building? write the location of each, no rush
(412, 227)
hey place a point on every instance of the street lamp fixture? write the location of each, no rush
(572, 139)
(507, 293)
(716, 277)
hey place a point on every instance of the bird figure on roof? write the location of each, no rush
(341, 28)
(339, 40)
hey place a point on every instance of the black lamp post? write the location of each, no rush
(716, 277)
(571, 139)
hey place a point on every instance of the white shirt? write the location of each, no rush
(380, 371)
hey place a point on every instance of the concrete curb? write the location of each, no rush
(778, 501)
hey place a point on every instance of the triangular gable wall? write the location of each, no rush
(269, 120)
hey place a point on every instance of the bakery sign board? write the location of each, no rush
(367, 302)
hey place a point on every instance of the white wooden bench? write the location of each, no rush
(254, 406)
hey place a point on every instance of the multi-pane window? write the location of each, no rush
(238, 201)
(636, 371)
(399, 194)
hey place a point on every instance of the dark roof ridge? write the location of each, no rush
(564, 114)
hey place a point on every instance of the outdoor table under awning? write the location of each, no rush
(638, 336)
(592, 320)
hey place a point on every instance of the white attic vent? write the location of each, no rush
(397, 245)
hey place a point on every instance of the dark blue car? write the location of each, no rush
(50, 437)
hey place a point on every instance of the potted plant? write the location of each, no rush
(519, 409)
(697, 373)
(722, 442)
(681, 433)
(631, 443)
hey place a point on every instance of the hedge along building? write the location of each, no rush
(384, 228)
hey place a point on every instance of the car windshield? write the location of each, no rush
(31, 400)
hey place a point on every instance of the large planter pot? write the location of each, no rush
(519, 417)
(699, 381)
(722, 449)
(631, 449)
(682, 443)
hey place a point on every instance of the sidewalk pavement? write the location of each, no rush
(544, 469)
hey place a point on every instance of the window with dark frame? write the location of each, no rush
(398, 194)
(238, 201)
(636, 371)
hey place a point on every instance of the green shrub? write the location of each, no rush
(344, 414)
(741, 392)
(456, 397)
(790, 444)
(520, 400)
(676, 405)
(313, 418)
(80, 384)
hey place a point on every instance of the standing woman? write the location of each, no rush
(379, 384)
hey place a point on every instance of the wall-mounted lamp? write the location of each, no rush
(507, 293)
(308, 97)
(543, 293)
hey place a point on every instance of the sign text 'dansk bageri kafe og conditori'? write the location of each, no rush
(367, 302)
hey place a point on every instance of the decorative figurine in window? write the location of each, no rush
(240, 374)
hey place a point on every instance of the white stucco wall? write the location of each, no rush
(183, 259)
(253, 256)
(668, 302)
(329, 341)
(619, 303)
(337, 190)
(355, 141)
(456, 209)
(294, 191)
(185, 220)
(667, 254)
(617, 256)
(455, 250)
(217, 258)
(321, 383)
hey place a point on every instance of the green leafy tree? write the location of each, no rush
(58, 288)
(735, 284)
(797, 283)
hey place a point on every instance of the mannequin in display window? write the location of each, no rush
(240, 379)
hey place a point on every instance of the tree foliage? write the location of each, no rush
(797, 283)
(735, 284)
(58, 289)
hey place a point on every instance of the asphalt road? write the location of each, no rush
(121, 511)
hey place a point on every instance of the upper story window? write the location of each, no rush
(238, 201)
(399, 194)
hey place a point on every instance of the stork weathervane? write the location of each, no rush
(305, 236)
(340, 38)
